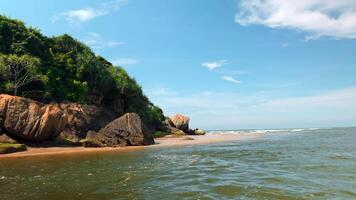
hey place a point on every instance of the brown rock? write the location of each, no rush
(168, 122)
(127, 130)
(83, 118)
(181, 122)
(30, 120)
(6, 139)
(171, 130)
(197, 132)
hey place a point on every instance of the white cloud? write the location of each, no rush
(86, 14)
(343, 98)
(124, 61)
(231, 79)
(83, 15)
(267, 109)
(95, 41)
(214, 65)
(331, 18)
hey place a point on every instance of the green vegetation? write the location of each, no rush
(62, 68)
(65, 142)
(159, 134)
(11, 148)
(91, 143)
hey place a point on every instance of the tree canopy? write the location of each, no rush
(66, 70)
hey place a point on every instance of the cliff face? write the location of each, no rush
(63, 69)
(82, 118)
(30, 120)
(33, 121)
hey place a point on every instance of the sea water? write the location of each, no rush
(281, 164)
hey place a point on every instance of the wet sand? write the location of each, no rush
(160, 142)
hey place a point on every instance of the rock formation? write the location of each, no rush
(27, 120)
(127, 130)
(197, 132)
(83, 118)
(181, 122)
(30, 120)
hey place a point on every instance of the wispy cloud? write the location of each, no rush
(83, 15)
(97, 42)
(89, 13)
(219, 110)
(285, 44)
(231, 79)
(124, 61)
(317, 17)
(215, 64)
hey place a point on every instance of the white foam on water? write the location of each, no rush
(260, 131)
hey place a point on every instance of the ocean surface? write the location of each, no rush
(281, 164)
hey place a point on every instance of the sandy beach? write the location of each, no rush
(160, 142)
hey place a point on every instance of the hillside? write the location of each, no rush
(60, 69)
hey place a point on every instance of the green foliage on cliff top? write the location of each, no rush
(63, 68)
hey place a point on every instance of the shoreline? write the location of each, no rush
(168, 141)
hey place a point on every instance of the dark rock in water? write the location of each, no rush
(181, 122)
(127, 130)
(30, 120)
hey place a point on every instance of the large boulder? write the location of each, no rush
(197, 132)
(83, 118)
(127, 130)
(30, 120)
(168, 127)
(181, 122)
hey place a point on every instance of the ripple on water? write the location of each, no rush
(317, 164)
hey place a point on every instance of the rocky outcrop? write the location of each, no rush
(6, 139)
(33, 121)
(127, 130)
(168, 122)
(83, 118)
(181, 122)
(179, 125)
(170, 129)
(30, 120)
(197, 132)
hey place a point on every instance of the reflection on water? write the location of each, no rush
(306, 164)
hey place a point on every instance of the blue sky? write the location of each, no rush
(227, 64)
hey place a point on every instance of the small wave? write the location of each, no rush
(261, 131)
(312, 129)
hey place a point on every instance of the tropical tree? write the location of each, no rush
(18, 70)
